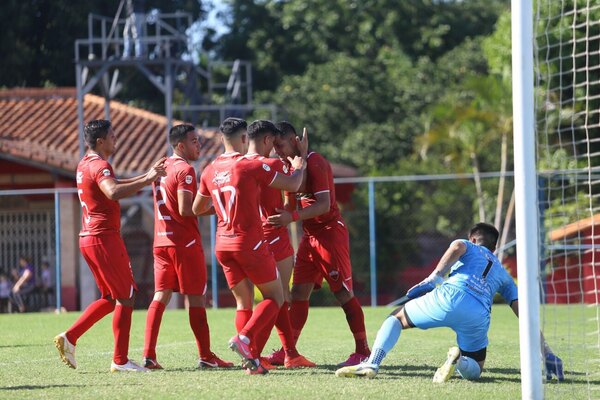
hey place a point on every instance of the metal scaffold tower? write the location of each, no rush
(164, 56)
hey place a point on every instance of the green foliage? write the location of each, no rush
(497, 47)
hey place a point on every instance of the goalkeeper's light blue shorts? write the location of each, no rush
(451, 307)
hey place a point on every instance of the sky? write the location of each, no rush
(218, 6)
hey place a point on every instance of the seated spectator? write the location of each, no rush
(4, 293)
(24, 285)
(46, 287)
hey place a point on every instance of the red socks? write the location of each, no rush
(356, 321)
(284, 329)
(263, 319)
(241, 319)
(121, 328)
(298, 316)
(153, 319)
(199, 325)
(92, 314)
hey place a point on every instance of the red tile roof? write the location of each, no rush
(575, 228)
(40, 125)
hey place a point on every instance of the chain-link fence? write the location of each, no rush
(399, 228)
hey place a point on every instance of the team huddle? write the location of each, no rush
(246, 189)
(255, 198)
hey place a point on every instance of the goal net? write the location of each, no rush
(567, 96)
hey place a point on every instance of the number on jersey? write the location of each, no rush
(225, 196)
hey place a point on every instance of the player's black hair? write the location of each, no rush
(179, 133)
(94, 130)
(232, 126)
(486, 235)
(261, 127)
(286, 128)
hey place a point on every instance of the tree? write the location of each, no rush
(285, 38)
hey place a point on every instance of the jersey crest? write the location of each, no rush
(221, 178)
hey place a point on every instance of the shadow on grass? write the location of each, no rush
(39, 387)
(10, 346)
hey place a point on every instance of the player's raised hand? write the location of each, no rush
(303, 143)
(554, 366)
(157, 170)
(160, 162)
(297, 162)
(282, 219)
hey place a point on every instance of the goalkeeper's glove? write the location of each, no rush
(425, 286)
(554, 366)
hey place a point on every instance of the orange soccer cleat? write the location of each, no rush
(298, 362)
(266, 364)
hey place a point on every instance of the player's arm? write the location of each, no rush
(450, 257)
(141, 177)
(202, 205)
(455, 251)
(289, 201)
(202, 201)
(132, 179)
(321, 205)
(184, 202)
(211, 211)
(291, 182)
(116, 190)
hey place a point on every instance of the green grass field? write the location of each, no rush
(30, 366)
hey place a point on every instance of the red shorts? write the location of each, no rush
(279, 244)
(257, 265)
(326, 255)
(181, 269)
(108, 260)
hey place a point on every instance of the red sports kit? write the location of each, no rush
(179, 262)
(324, 248)
(100, 242)
(234, 182)
(271, 199)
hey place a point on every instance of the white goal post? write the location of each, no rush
(526, 220)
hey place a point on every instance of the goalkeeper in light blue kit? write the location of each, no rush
(462, 302)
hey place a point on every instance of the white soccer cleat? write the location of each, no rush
(66, 350)
(129, 366)
(358, 371)
(445, 372)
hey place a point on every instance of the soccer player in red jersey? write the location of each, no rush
(324, 250)
(234, 183)
(278, 239)
(178, 256)
(102, 247)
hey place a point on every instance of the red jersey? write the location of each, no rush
(170, 228)
(99, 213)
(319, 179)
(270, 198)
(234, 182)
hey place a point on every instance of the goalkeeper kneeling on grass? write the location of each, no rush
(462, 302)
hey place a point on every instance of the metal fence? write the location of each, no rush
(399, 228)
